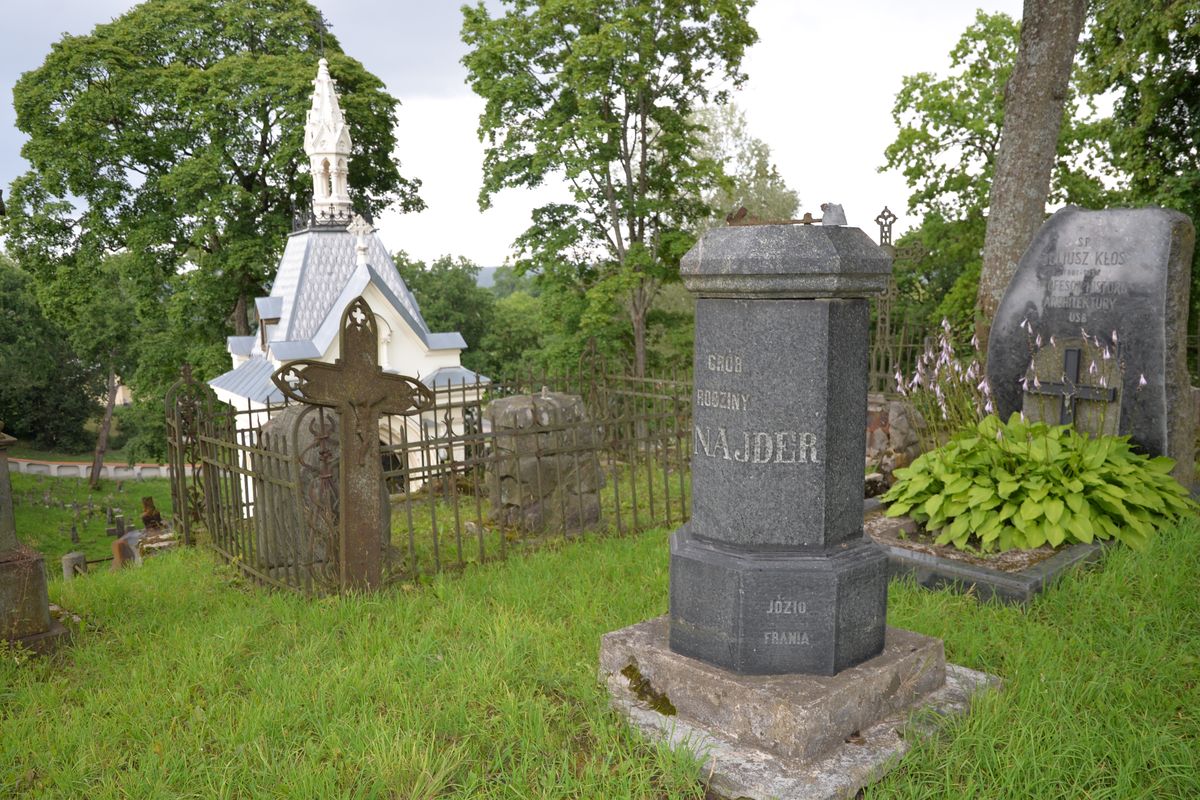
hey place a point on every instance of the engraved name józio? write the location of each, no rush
(781, 606)
(757, 447)
(785, 637)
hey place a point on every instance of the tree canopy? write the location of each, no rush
(173, 137)
(948, 134)
(601, 93)
(751, 179)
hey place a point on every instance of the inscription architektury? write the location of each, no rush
(772, 574)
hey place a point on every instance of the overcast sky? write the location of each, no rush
(822, 80)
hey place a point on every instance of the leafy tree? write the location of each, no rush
(1033, 110)
(174, 135)
(46, 390)
(451, 300)
(1145, 54)
(601, 93)
(751, 179)
(507, 280)
(949, 132)
(515, 340)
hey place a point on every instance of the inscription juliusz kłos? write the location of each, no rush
(1079, 287)
(746, 446)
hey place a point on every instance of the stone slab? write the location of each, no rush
(794, 716)
(735, 724)
(985, 583)
(733, 769)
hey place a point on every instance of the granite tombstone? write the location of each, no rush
(1104, 294)
(772, 574)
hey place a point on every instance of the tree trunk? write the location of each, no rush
(241, 325)
(105, 426)
(1033, 111)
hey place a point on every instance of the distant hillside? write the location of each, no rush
(487, 277)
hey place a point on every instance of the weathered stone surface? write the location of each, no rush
(794, 716)
(737, 768)
(779, 417)
(1121, 279)
(785, 261)
(546, 474)
(766, 612)
(24, 602)
(8, 528)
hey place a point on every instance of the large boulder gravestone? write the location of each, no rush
(1092, 329)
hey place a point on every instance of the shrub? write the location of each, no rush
(1021, 485)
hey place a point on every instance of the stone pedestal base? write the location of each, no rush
(784, 736)
(777, 612)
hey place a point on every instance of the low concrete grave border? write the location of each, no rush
(1018, 588)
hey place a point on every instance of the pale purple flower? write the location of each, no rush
(1141, 380)
(1036, 383)
(1092, 368)
(1052, 340)
(974, 341)
(1084, 333)
(988, 408)
(1114, 337)
(1107, 354)
(1103, 382)
(1038, 341)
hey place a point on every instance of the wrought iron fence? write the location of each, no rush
(460, 484)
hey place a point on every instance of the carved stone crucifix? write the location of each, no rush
(361, 392)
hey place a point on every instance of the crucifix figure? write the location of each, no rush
(1086, 376)
(361, 392)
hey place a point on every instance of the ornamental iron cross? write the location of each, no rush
(361, 392)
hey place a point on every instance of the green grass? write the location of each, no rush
(85, 456)
(43, 522)
(191, 684)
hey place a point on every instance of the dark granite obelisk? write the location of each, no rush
(772, 574)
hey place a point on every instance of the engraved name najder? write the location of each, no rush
(757, 447)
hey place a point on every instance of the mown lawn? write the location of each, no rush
(192, 684)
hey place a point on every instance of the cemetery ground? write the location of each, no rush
(188, 681)
(44, 509)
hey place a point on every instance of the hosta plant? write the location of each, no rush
(998, 485)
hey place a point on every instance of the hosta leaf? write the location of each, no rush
(1031, 509)
(1055, 534)
(934, 504)
(1053, 508)
(898, 509)
(1006, 488)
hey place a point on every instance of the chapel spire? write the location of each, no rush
(327, 144)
